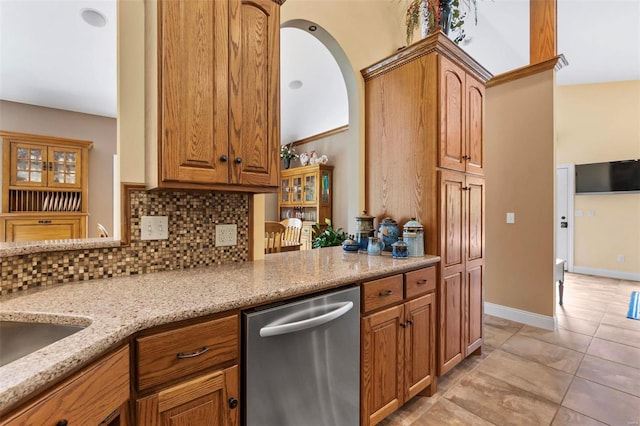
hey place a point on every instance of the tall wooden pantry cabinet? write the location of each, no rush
(425, 160)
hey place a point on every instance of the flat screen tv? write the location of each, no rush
(611, 177)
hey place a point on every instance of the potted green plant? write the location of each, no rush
(439, 15)
(327, 236)
(288, 153)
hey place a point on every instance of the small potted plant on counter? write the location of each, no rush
(328, 236)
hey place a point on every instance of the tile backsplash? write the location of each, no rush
(191, 243)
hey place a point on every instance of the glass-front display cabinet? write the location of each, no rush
(44, 187)
(305, 193)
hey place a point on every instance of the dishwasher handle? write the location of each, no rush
(292, 327)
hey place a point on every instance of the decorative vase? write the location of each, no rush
(424, 19)
(287, 162)
(445, 15)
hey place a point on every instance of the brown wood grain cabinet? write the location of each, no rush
(213, 103)
(189, 374)
(44, 187)
(425, 160)
(398, 343)
(98, 394)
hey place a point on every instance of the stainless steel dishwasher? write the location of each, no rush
(302, 362)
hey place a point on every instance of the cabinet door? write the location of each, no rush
(202, 401)
(310, 188)
(193, 61)
(451, 336)
(452, 116)
(474, 302)
(285, 190)
(452, 214)
(44, 229)
(474, 263)
(65, 167)
(28, 165)
(474, 125)
(254, 98)
(420, 344)
(382, 369)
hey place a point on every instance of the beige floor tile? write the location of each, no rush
(619, 335)
(566, 417)
(495, 336)
(612, 374)
(591, 303)
(618, 307)
(461, 370)
(411, 411)
(578, 312)
(602, 403)
(620, 320)
(578, 325)
(528, 375)
(568, 339)
(445, 412)
(623, 354)
(502, 323)
(499, 402)
(553, 356)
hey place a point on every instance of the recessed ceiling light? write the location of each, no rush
(93, 17)
(312, 28)
(295, 84)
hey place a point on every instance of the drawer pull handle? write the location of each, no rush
(182, 355)
(44, 222)
(385, 293)
(420, 282)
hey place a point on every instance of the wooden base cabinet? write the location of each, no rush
(462, 267)
(398, 348)
(206, 400)
(96, 395)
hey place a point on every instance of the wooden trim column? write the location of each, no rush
(543, 34)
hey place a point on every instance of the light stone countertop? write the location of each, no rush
(29, 247)
(115, 308)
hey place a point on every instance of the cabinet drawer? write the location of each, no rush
(85, 399)
(382, 292)
(420, 282)
(172, 354)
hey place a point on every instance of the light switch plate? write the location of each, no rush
(511, 218)
(226, 235)
(154, 227)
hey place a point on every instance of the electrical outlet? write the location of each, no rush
(154, 227)
(511, 218)
(226, 235)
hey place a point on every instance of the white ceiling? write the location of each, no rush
(50, 57)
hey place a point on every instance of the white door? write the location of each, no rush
(564, 214)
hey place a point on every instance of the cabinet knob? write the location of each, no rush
(403, 325)
(238, 160)
(224, 158)
(233, 403)
(62, 423)
(409, 322)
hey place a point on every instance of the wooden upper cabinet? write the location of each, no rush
(452, 140)
(193, 90)
(461, 120)
(475, 125)
(45, 166)
(212, 101)
(254, 77)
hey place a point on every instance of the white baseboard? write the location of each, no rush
(620, 275)
(525, 317)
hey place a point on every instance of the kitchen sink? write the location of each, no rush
(18, 339)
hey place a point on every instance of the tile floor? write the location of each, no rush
(585, 373)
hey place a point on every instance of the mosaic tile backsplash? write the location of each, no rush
(191, 243)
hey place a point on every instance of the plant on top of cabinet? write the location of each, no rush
(213, 97)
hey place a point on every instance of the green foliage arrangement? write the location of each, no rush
(459, 9)
(328, 236)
